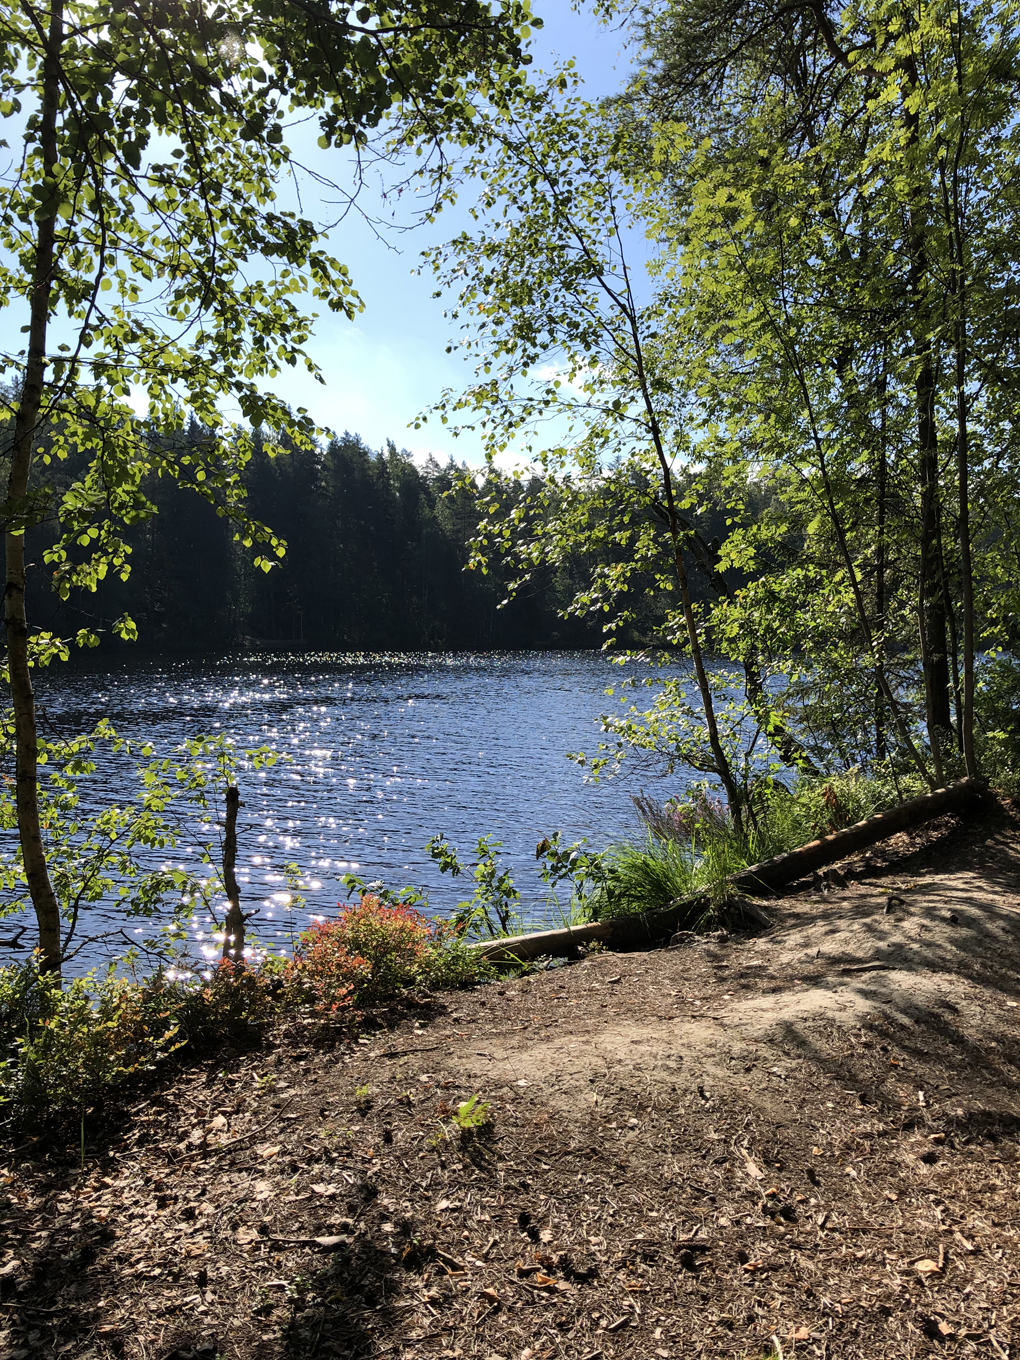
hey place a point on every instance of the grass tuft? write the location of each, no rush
(693, 846)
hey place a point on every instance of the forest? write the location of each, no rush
(376, 558)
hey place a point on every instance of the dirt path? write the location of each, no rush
(799, 1144)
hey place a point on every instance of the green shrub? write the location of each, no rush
(63, 1047)
(998, 722)
(649, 877)
(230, 1001)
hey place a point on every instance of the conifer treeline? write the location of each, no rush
(376, 556)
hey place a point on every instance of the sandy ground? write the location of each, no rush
(799, 1143)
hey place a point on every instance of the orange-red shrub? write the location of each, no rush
(374, 950)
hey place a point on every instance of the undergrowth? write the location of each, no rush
(64, 1046)
(693, 846)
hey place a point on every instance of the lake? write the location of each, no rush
(386, 751)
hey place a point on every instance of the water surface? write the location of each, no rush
(386, 752)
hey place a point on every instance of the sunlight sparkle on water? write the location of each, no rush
(389, 751)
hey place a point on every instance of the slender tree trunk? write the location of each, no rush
(722, 764)
(936, 745)
(952, 634)
(966, 565)
(233, 926)
(930, 601)
(790, 750)
(881, 492)
(26, 426)
(959, 284)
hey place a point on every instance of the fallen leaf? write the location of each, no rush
(816, 1152)
(269, 1150)
(752, 1266)
(753, 1170)
(926, 1266)
(620, 1322)
(218, 1125)
(9, 1269)
(326, 1243)
(325, 1189)
(892, 1195)
(546, 1235)
(801, 1334)
(491, 1295)
(263, 1189)
(245, 1236)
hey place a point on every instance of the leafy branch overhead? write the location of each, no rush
(767, 287)
(142, 238)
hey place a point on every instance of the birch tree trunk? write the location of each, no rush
(26, 428)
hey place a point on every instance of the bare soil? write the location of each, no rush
(799, 1143)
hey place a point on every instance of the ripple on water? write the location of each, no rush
(385, 751)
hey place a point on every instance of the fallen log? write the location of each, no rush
(557, 943)
(794, 864)
(647, 927)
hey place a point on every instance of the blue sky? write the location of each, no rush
(389, 364)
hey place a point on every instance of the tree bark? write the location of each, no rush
(26, 426)
(930, 600)
(233, 926)
(881, 493)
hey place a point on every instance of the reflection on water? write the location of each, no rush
(386, 751)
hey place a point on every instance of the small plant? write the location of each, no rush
(472, 1113)
(63, 1047)
(494, 907)
(363, 1099)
